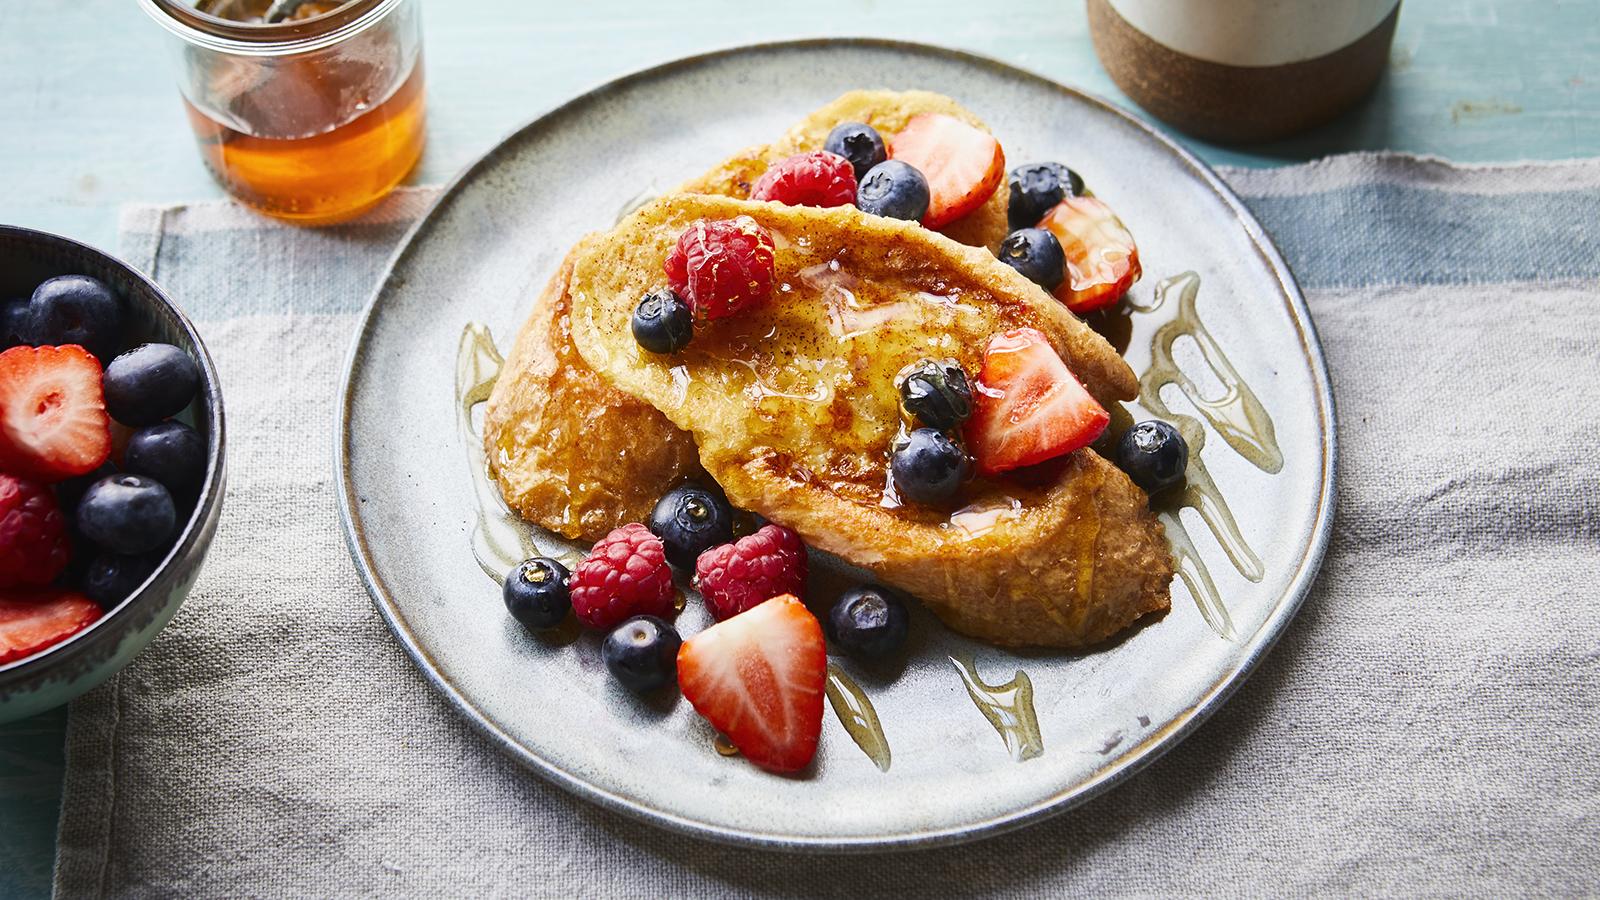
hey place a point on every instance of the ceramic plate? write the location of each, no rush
(1218, 328)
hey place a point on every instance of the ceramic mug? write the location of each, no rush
(1244, 70)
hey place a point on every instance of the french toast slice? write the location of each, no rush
(569, 451)
(546, 397)
(793, 407)
(887, 112)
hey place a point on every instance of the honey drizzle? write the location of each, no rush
(856, 713)
(1008, 707)
(1241, 420)
(1237, 415)
(499, 540)
(1192, 569)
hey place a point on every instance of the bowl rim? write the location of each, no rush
(20, 671)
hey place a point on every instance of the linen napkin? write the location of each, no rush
(1427, 725)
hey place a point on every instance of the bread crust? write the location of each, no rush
(569, 451)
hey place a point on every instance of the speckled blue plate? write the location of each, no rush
(411, 495)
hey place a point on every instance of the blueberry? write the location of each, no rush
(536, 593)
(171, 453)
(1154, 455)
(642, 653)
(111, 578)
(127, 514)
(894, 189)
(662, 322)
(928, 467)
(858, 143)
(691, 519)
(149, 383)
(1035, 253)
(15, 325)
(76, 309)
(869, 623)
(71, 491)
(936, 391)
(1036, 189)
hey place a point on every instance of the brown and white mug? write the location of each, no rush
(1244, 70)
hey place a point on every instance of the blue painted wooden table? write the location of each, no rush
(89, 120)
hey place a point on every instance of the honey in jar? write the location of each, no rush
(311, 111)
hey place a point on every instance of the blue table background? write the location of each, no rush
(89, 120)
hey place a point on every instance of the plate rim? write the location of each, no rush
(1146, 751)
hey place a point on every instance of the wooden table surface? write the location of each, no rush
(90, 120)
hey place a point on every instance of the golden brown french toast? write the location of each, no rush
(793, 406)
(571, 452)
(887, 112)
(546, 400)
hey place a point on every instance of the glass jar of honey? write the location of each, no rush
(306, 110)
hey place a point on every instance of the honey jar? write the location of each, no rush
(310, 112)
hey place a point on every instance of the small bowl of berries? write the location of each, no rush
(111, 466)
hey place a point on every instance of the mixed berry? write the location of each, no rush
(691, 519)
(894, 189)
(735, 577)
(1101, 260)
(869, 623)
(819, 178)
(1028, 406)
(1036, 189)
(758, 678)
(757, 673)
(642, 653)
(86, 517)
(537, 593)
(928, 467)
(662, 322)
(721, 268)
(859, 143)
(1035, 253)
(625, 575)
(1154, 455)
(962, 163)
(937, 393)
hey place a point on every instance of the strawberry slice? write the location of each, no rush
(1102, 261)
(1027, 406)
(963, 164)
(32, 621)
(53, 422)
(758, 677)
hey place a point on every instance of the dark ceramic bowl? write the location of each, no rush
(56, 675)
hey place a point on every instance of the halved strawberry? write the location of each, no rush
(53, 422)
(1102, 261)
(758, 679)
(963, 164)
(1027, 406)
(31, 621)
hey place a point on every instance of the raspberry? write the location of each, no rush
(734, 577)
(722, 267)
(33, 536)
(625, 575)
(809, 179)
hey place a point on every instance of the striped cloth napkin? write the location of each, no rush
(1428, 724)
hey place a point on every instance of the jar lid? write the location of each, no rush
(260, 39)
